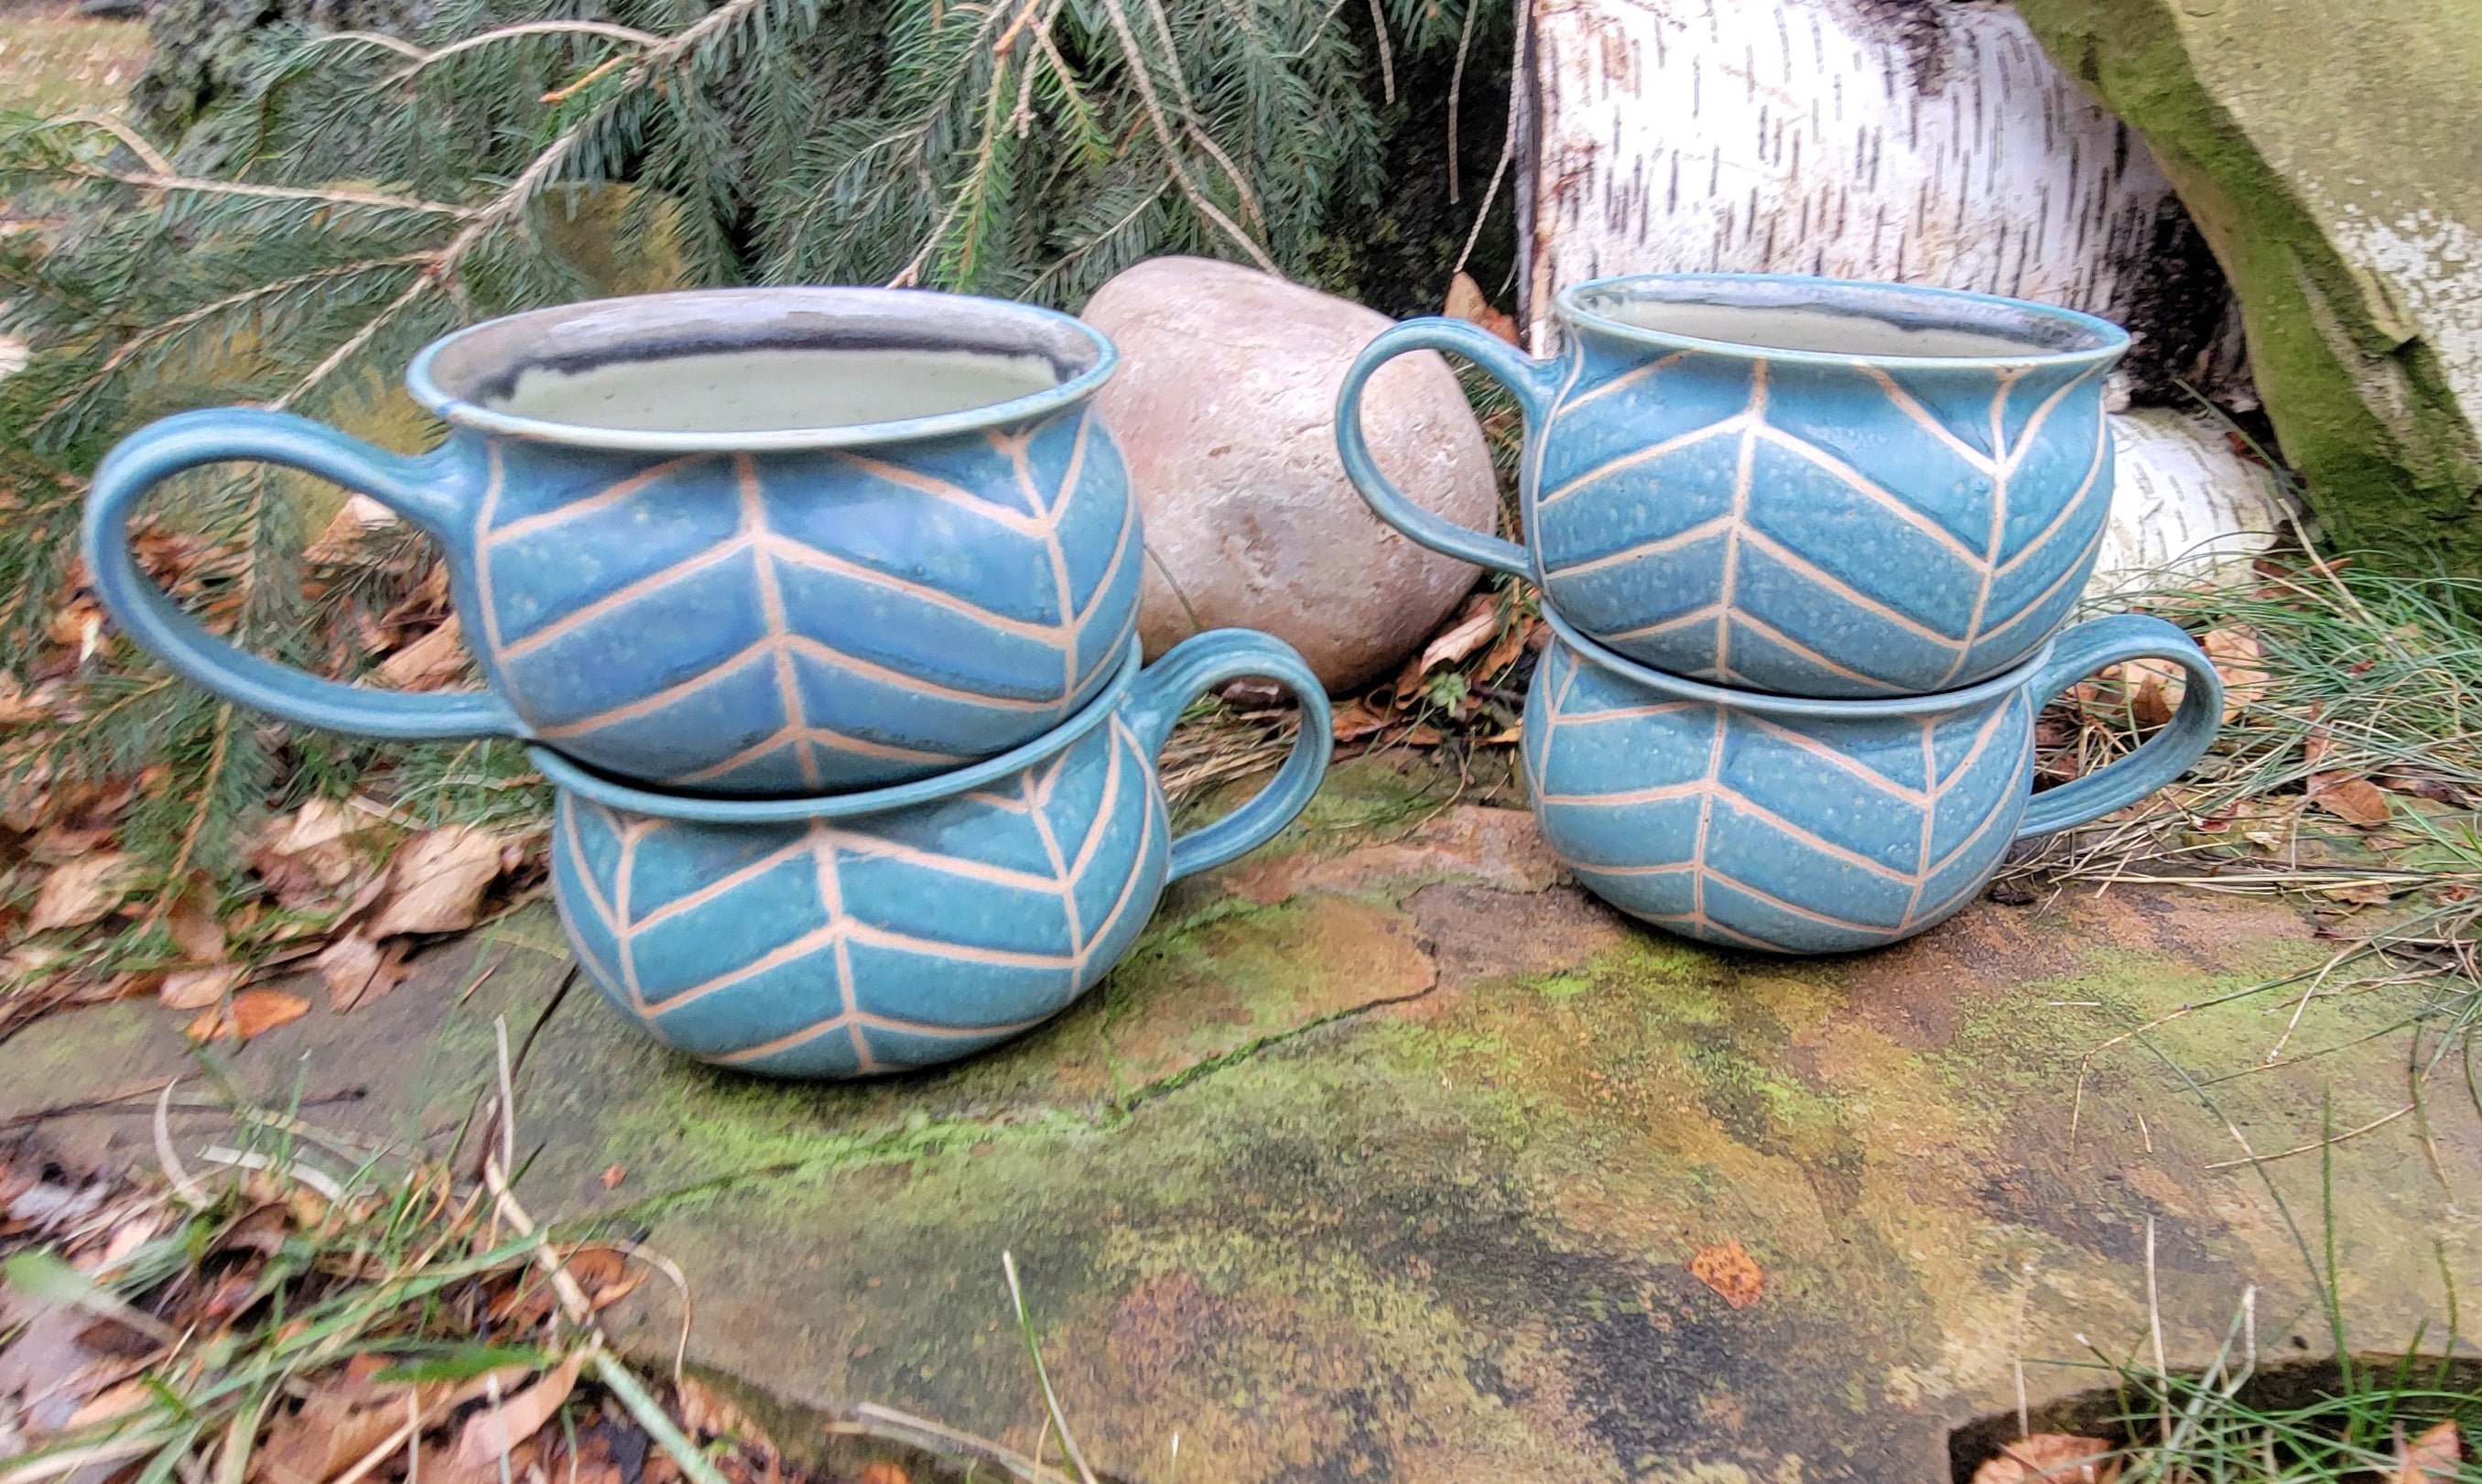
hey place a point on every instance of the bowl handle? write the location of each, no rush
(427, 491)
(1521, 373)
(1189, 669)
(2090, 646)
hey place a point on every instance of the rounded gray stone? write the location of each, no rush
(1224, 409)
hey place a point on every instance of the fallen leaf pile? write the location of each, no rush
(2050, 1458)
(1468, 679)
(289, 1326)
(346, 890)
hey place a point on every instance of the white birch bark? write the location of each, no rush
(1930, 142)
(2185, 508)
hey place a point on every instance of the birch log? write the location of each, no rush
(1908, 141)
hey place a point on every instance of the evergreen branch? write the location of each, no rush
(1163, 134)
(360, 338)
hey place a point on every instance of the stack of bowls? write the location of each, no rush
(1806, 547)
(819, 606)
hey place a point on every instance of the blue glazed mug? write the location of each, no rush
(906, 926)
(1797, 826)
(756, 541)
(1808, 486)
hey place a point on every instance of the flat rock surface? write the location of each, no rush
(1387, 1154)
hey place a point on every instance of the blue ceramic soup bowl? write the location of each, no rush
(901, 927)
(1798, 485)
(680, 557)
(1759, 821)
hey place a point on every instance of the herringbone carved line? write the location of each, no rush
(1749, 421)
(827, 846)
(1927, 801)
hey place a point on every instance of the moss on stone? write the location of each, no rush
(2361, 401)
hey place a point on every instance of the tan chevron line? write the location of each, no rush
(1109, 797)
(1064, 889)
(620, 597)
(1677, 621)
(1661, 545)
(1077, 980)
(1744, 473)
(1767, 630)
(1903, 402)
(1706, 816)
(601, 971)
(623, 876)
(576, 847)
(770, 606)
(601, 500)
(2073, 507)
(1538, 773)
(1634, 713)
(792, 951)
(1840, 761)
(1930, 815)
(1989, 728)
(1063, 588)
(810, 737)
(874, 847)
(1673, 868)
(2032, 430)
(1621, 382)
(1806, 913)
(671, 694)
(2076, 571)
(1815, 841)
(1530, 487)
(1870, 490)
(1737, 422)
(496, 476)
(1661, 794)
(829, 655)
(1125, 544)
(1700, 922)
(1045, 779)
(1843, 590)
(862, 932)
(796, 553)
(1997, 533)
(2019, 777)
(985, 796)
(739, 876)
(857, 1020)
(942, 491)
(831, 897)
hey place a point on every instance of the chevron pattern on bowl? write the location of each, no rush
(788, 622)
(837, 948)
(1834, 531)
(1791, 835)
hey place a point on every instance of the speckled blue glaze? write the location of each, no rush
(1762, 821)
(753, 614)
(1814, 523)
(901, 927)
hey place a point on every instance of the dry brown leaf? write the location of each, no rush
(191, 923)
(358, 972)
(438, 881)
(1358, 718)
(2053, 1458)
(1731, 1271)
(127, 1398)
(2354, 800)
(253, 1012)
(1469, 633)
(2235, 654)
(359, 514)
(196, 989)
(613, 1177)
(497, 1430)
(333, 841)
(2433, 1458)
(1466, 302)
(19, 705)
(85, 890)
(430, 662)
(883, 1472)
(1503, 655)
(704, 1414)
